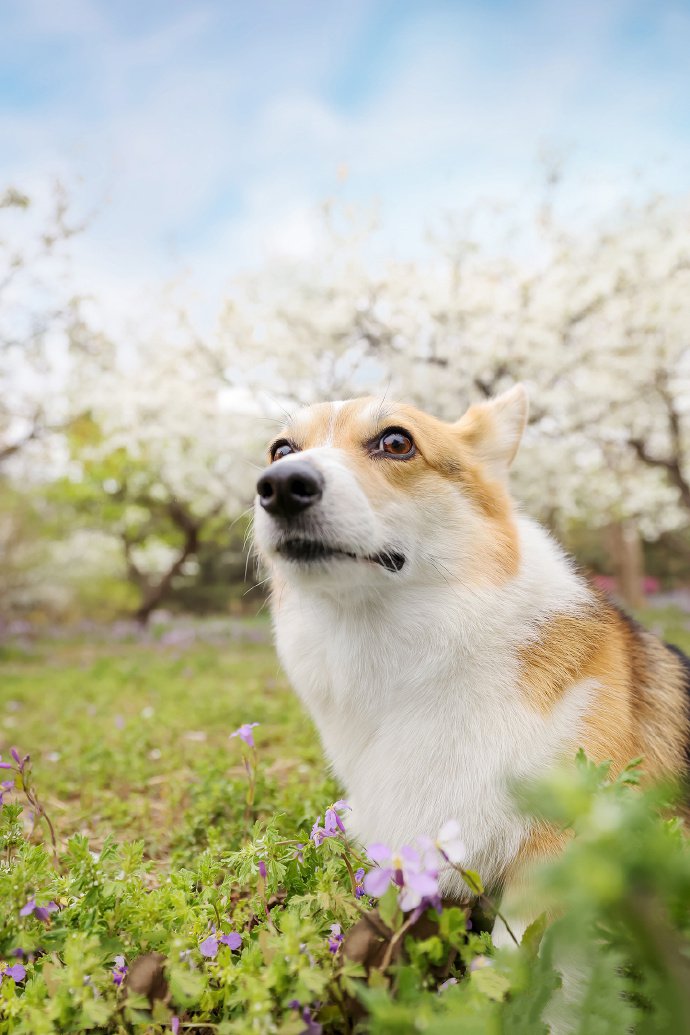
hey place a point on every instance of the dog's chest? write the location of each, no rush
(417, 728)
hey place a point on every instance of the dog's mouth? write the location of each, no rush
(310, 551)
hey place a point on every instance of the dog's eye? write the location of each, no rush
(280, 449)
(396, 443)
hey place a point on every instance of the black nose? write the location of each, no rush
(289, 488)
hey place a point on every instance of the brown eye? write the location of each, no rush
(281, 449)
(396, 443)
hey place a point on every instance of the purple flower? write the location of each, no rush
(318, 834)
(119, 970)
(40, 912)
(17, 972)
(336, 939)
(5, 765)
(299, 853)
(332, 821)
(312, 1026)
(359, 877)
(21, 762)
(333, 824)
(262, 868)
(209, 947)
(245, 733)
(5, 785)
(174, 1024)
(413, 870)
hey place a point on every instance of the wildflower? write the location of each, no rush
(318, 834)
(413, 870)
(332, 821)
(40, 912)
(447, 983)
(336, 939)
(479, 962)
(333, 824)
(299, 853)
(262, 868)
(359, 877)
(174, 1024)
(209, 947)
(244, 732)
(5, 785)
(119, 970)
(448, 842)
(312, 1027)
(17, 972)
(21, 762)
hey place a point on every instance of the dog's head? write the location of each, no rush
(363, 493)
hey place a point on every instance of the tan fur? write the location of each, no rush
(639, 706)
(445, 450)
(542, 843)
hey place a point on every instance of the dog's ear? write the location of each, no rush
(493, 429)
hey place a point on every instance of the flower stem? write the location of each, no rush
(484, 899)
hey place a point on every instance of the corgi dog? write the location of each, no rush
(443, 642)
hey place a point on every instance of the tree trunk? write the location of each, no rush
(627, 560)
(155, 594)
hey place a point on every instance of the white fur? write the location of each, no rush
(412, 677)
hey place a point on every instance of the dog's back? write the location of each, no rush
(643, 699)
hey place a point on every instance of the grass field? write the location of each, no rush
(129, 738)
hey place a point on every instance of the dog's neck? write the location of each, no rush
(414, 616)
(416, 696)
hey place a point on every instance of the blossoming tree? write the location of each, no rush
(596, 324)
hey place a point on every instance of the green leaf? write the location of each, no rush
(388, 908)
(473, 881)
(186, 985)
(491, 982)
(531, 939)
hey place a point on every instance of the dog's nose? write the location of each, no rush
(287, 489)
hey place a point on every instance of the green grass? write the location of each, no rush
(157, 844)
(124, 737)
(672, 624)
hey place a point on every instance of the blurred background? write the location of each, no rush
(213, 212)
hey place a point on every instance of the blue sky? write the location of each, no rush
(205, 133)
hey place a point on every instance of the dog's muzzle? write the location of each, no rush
(286, 490)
